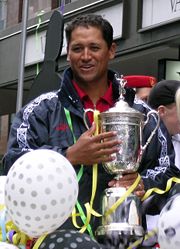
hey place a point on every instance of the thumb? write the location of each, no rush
(92, 129)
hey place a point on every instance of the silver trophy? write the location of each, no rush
(124, 224)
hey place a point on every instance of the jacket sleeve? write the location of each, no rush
(157, 165)
(158, 161)
(30, 129)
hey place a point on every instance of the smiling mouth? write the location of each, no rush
(87, 67)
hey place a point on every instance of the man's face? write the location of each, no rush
(143, 93)
(88, 55)
(169, 116)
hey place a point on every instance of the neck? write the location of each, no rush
(94, 90)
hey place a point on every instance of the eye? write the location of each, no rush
(76, 49)
(95, 48)
(145, 99)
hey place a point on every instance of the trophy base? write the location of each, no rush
(117, 234)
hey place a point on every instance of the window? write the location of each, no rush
(66, 1)
(3, 13)
(11, 10)
(4, 120)
(35, 7)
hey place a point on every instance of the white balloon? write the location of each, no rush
(4, 245)
(40, 192)
(2, 186)
(169, 225)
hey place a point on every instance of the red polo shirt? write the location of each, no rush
(103, 104)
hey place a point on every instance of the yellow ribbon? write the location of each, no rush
(122, 198)
(90, 211)
(160, 191)
(139, 241)
(96, 121)
(74, 215)
(39, 241)
(19, 238)
(89, 207)
(2, 207)
(146, 195)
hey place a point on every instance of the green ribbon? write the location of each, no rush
(79, 175)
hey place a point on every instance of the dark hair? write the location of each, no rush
(92, 20)
(163, 93)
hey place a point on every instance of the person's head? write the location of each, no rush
(177, 99)
(91, 20)
(90, 46)
(162, 98)
(142, 85)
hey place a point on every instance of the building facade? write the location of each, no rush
(146, 32)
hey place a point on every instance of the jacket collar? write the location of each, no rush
(70, 99)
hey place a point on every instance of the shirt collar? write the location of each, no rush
(108, 96)
(79, 91)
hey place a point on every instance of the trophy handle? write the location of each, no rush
(152, 112)
(85, 117)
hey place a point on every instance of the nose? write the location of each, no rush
(86, 55)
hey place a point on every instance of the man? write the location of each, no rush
(142, 85)
(162, 98)
(176, 137)
(55, 120)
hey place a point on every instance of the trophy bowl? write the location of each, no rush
(128, 124)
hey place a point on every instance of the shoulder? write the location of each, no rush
(41, 105)
(141, 106)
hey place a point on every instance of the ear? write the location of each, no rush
(67, 50)
(162, 111)
(112, 50)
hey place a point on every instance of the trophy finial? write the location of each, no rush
(122, 82)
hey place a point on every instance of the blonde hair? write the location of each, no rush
(177, 99)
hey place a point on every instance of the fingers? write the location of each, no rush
(112, 183)
(126, 183)
(102, 136)
(106, 136)
(107, 142)
(102, 146)
(94, 148)
(130, 176)
(140, 186)
(140, 194)
(91, 130)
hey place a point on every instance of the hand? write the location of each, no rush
(126, 181)
(90, 149)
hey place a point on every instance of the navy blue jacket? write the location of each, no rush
(43, 124)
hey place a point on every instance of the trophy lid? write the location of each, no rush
(121, 106)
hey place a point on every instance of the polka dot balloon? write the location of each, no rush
(169, 224)
(2, 186)
(68, 239)
(3, 214)
(40, 192)
(4, 245)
